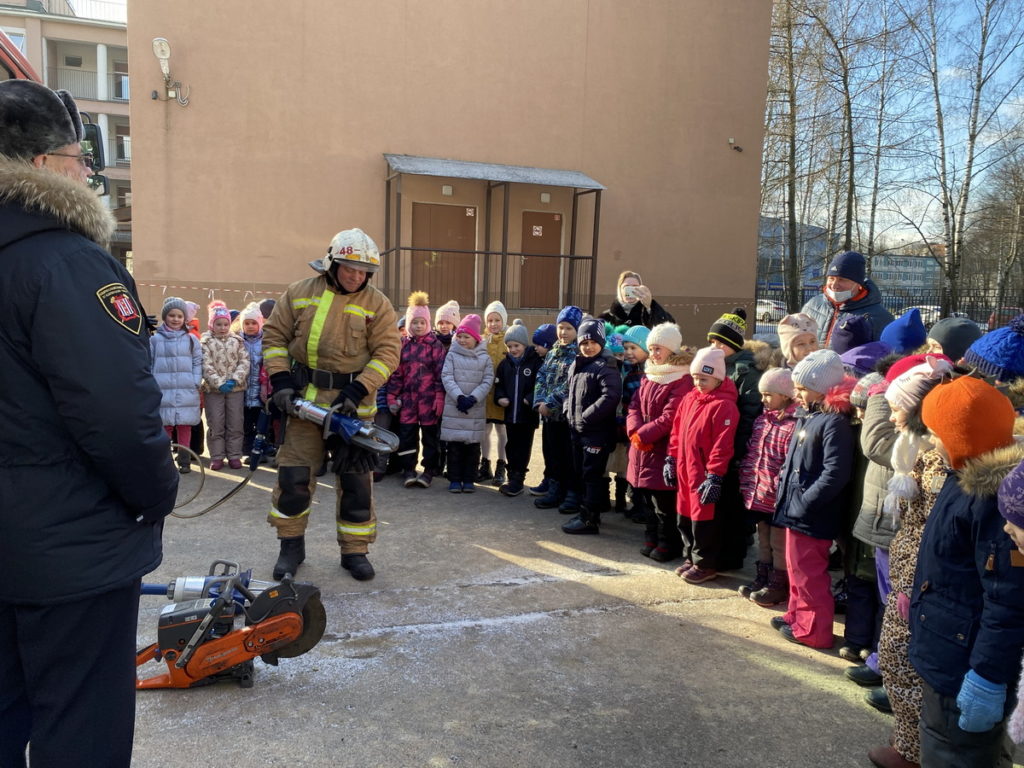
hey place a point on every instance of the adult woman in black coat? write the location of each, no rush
(634, 305)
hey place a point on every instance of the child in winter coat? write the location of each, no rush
(548, 399)
(634, 341)
(652, 412)
(225, 373)
(446, 320)
(544, 338)
(178, 367)
(416, 394)
(966, 613)
(514, 383)
(495, 322)
(594, 393)
(814, 481)
(759, 483)
(467, 377)
(252, 336)
(798, 337)
(699, 451)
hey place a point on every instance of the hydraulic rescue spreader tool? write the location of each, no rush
(198, 638)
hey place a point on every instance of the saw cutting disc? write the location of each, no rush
(314, 622)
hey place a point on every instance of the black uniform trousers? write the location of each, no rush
(67, 681)
(519, 446)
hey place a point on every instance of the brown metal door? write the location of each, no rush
(539, 277)
(444, 275)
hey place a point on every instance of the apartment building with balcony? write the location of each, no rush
(82, 47)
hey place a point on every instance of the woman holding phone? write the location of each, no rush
(634, 305)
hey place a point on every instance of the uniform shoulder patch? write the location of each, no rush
(118, 302)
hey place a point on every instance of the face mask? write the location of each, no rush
(839, 296)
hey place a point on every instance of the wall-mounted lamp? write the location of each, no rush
(447, 190)
(172, 89)
(545, 197)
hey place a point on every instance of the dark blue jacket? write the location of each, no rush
(818, 468)
(82, 451)
(516, 381)
(595, 390)
(967, 609)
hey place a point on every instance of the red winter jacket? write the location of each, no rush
(417, 380)
(702, 442)
(651, 414)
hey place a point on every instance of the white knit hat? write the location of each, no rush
(666, 335)
(819, 371)
(450, 312)
(496, 306)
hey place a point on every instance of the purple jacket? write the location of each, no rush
(417, 381)
(651, 413)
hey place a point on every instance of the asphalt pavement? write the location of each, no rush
(490, 638)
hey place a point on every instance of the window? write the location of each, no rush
(17, 37)
(72, 61)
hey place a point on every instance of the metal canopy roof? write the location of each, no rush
(464, 169)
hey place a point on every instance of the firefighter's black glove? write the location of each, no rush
(346, 458)
(349, 398)
(283, 392)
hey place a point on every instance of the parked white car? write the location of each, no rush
(770, 311)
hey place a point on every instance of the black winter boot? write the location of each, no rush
(358, 566)
(484, 473)
(621, 486)
(764, 571)
(514, 486)
(571, 504)
(499, 472)
(585, 522)
(552, 498)
(293, 553)
(184, 459)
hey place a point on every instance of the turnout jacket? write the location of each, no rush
(516, 381)
(595, 390)
(321, 328)
(82, 452)
(966, 610)
(417, 381)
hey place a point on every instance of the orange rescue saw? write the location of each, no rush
(197, 638)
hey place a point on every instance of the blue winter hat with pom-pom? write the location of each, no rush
(1000, 353)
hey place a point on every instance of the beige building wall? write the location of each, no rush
(292, 106)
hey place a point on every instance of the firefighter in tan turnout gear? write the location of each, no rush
(332, 339)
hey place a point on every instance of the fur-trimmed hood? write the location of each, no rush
(982, 475)
(50, 196)
(1014, 390)
(762, 352)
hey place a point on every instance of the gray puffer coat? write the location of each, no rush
(877, 437)
(465, 372)
(178, 367)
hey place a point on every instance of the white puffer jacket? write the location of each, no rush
(465, 372)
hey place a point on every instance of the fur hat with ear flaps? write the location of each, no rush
(35, 120)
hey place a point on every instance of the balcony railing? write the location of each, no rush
(104, 10)
(82, 83)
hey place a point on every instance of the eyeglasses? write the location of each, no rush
(85, 158)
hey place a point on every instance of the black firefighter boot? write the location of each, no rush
(499, 473)
(585, 522)
(293, 553)
(358, 566)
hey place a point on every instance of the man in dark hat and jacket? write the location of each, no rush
(86, 475)
(847, 291)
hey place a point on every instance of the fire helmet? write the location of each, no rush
(352, 248)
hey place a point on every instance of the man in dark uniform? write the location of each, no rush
(86, 475)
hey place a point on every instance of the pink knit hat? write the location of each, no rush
(418, 307)
(709, 361)
(218, 309)
(448, 312)
(777, 381)
(470, 324)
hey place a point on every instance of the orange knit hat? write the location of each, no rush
(970, 417)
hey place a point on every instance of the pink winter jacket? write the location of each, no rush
(651, 414)
(766, 452)
(702, 441)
